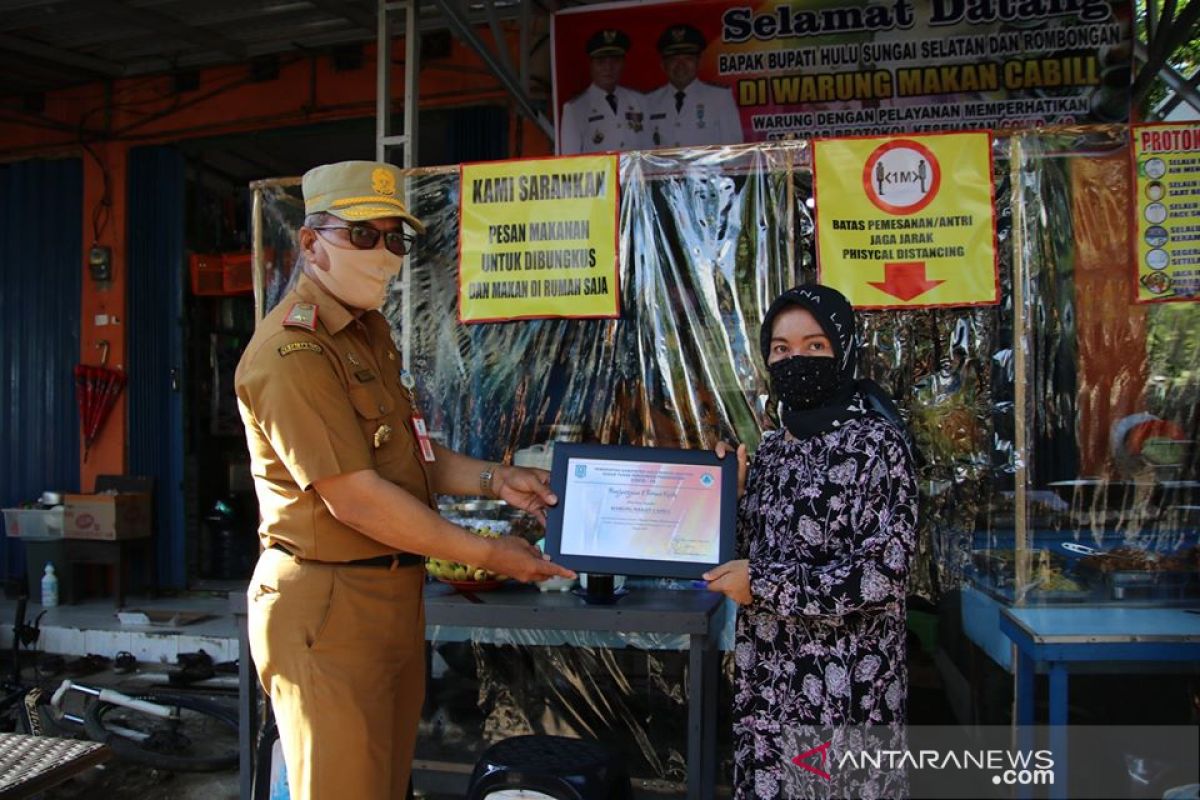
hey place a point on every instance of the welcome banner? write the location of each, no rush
(825, 68)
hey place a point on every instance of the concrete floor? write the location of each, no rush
(119, 780)
(93, 627)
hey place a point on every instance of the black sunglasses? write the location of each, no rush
(365, 237)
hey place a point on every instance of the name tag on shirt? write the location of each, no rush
(422, 434)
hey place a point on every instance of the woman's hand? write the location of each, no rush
(721, 449)
(731, 579)
(525, 488)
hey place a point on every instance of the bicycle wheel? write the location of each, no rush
(200, 737)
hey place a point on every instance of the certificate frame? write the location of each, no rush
(628, 564)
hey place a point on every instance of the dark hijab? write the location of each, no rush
(854, 398)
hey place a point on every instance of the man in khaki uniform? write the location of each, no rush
(346, 480)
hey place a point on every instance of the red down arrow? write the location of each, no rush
(905, 279)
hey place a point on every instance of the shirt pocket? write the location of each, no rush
(380, 423)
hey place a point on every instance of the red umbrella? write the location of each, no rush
(96, 392)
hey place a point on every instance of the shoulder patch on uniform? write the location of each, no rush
(302, 315)
(293, 347)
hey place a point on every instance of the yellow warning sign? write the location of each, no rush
(538, 238)
(907, 221)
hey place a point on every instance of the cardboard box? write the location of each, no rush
(107, 517)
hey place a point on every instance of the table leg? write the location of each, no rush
(1026, 675)
(247, 722)
(1058, 726)
(1025, 679)
(119, 574)
(695, 728)
(708, 747)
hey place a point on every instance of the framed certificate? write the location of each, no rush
(647, 511)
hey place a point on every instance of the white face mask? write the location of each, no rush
(359, 278)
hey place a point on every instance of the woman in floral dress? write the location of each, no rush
(826, 529)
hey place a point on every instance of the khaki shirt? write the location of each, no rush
(321, 403)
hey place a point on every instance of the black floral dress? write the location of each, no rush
(828, 523)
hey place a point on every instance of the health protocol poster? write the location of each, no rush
(1167, 212)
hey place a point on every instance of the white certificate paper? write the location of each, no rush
(632, 509)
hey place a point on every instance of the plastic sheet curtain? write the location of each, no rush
(707, 239)
(1112, 498)
(704, 248)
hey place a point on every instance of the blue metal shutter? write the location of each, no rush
(156, 263)
(41, 266)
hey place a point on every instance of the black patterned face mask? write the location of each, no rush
(805, 382)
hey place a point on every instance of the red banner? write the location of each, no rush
(670, 74)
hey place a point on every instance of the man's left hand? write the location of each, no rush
(731, 579)
(525, 488)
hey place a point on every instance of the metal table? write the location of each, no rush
(29, 765)
(694, 613)
(1061, 636)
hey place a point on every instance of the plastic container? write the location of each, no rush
(34, 524)
(221, 274)
(49, 587)
(37, 553)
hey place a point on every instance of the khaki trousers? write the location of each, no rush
(341, 653)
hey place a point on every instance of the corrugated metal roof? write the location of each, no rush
(47, 44)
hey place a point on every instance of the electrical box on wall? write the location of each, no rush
(100, 263)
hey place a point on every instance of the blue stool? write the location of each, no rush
(557, 767)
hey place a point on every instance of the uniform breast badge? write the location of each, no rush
(383, 435)
(700, 115)
(598, 137)
(635, 121)
(295, 347)
(354, 362)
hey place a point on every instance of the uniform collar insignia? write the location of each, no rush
(334, 315)
(302, 315)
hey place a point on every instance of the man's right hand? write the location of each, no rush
(517, 558)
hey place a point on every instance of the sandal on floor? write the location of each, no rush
(124, 662)
(87, 665)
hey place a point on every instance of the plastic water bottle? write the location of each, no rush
(49, 587)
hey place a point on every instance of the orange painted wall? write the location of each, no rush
(108, 452)
(144, 110)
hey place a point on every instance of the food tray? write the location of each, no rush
(1151, 585)
(1003, 590)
